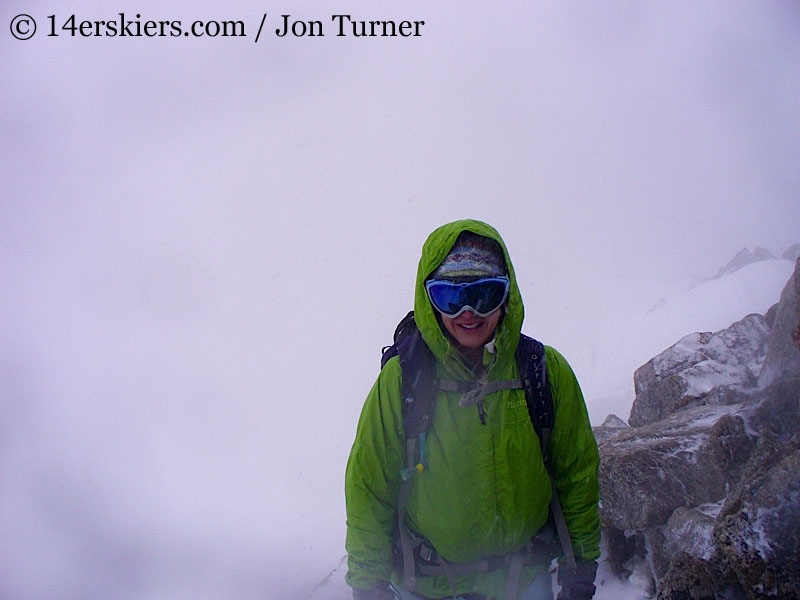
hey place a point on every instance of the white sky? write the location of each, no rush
(204, 243)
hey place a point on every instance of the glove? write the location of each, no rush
(378, 592)
(577, 583)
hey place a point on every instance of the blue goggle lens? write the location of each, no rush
(482, 297)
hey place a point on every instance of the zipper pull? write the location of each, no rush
(482, 412)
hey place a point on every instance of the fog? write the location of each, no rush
(204, 243)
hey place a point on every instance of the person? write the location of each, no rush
(485, 492)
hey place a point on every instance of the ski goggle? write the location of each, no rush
(483, 296)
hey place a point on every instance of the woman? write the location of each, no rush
(484, 491)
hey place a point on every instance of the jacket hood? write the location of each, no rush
(434, 251)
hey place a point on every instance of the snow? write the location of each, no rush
(711, 509)
(609, 587)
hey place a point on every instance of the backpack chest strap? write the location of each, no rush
(474, 392)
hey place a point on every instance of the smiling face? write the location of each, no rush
(470, 331)
(473, 266)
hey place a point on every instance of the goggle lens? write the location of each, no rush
(482, 297)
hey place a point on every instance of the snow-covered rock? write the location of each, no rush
(728, 361)
(611, 427)
(705, 485)
(647, 472)
(758, 529)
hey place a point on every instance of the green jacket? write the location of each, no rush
(485, 491)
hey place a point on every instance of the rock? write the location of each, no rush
(730, 445)
(690, 577)
(690, 531)
(743, 258)
(792, 253)
(778, 409)
(770, 315)
(614, 422)
(701, 368)
(783, 345)
(759, 531)
(621, 550)
(612, 426)
(647, 472)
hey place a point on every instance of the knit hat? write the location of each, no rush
(472, 256)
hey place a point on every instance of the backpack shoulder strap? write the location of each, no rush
(419, 376)
(403, 329)
(418, 391)
(533, 373)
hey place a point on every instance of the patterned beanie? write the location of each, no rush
(472, 256)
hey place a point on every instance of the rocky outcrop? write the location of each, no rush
(782, 352)
(758, 529)
(792, 253)
(704, 486)
(701, 368)
(611, 427)
(743, 258)
(652, 470)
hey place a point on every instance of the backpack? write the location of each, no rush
(419, 387)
